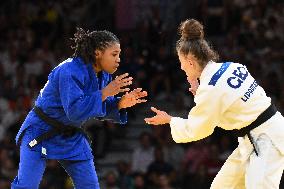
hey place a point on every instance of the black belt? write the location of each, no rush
(58, 128)
(263, 117)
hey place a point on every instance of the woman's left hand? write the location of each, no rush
(131, 98)
(159, 119)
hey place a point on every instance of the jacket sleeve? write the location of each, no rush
(79, 106)
(112, 112)
(202, 119)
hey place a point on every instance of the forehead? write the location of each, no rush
(187, 56)
(114, 47)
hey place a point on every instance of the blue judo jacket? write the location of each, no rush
(72, 95)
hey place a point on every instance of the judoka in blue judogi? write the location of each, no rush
(73, 94)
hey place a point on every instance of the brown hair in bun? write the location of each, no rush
(191, 29)
(192, 41)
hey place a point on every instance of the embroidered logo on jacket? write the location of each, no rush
(240, 74)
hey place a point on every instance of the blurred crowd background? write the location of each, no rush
(35, 37)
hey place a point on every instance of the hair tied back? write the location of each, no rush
(191, 29)
(80, 35)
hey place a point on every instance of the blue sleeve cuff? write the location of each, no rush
(110, 106)
(123, 116)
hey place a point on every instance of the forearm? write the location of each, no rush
(183, 130)
(114, 112)
(84, 107)
(120, 105)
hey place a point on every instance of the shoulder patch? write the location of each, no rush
(219, 73)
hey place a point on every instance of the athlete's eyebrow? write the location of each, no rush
(117, 51)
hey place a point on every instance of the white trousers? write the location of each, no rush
(244, 170)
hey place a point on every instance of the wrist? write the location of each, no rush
(104, 96)
(169, 119)
(120, 105)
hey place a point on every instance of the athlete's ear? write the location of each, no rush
(97, 53)
(189, 60)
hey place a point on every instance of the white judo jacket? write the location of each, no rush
(230, 98)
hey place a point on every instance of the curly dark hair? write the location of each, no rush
(85, 43)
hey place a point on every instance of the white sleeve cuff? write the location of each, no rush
(179, 130)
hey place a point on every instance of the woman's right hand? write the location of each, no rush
(160, 118)
(117, 86)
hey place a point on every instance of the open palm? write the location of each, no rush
(160, 118)
(132, 98)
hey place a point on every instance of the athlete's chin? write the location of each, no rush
(112, 71)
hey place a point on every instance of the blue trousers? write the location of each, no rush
(32, 166)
